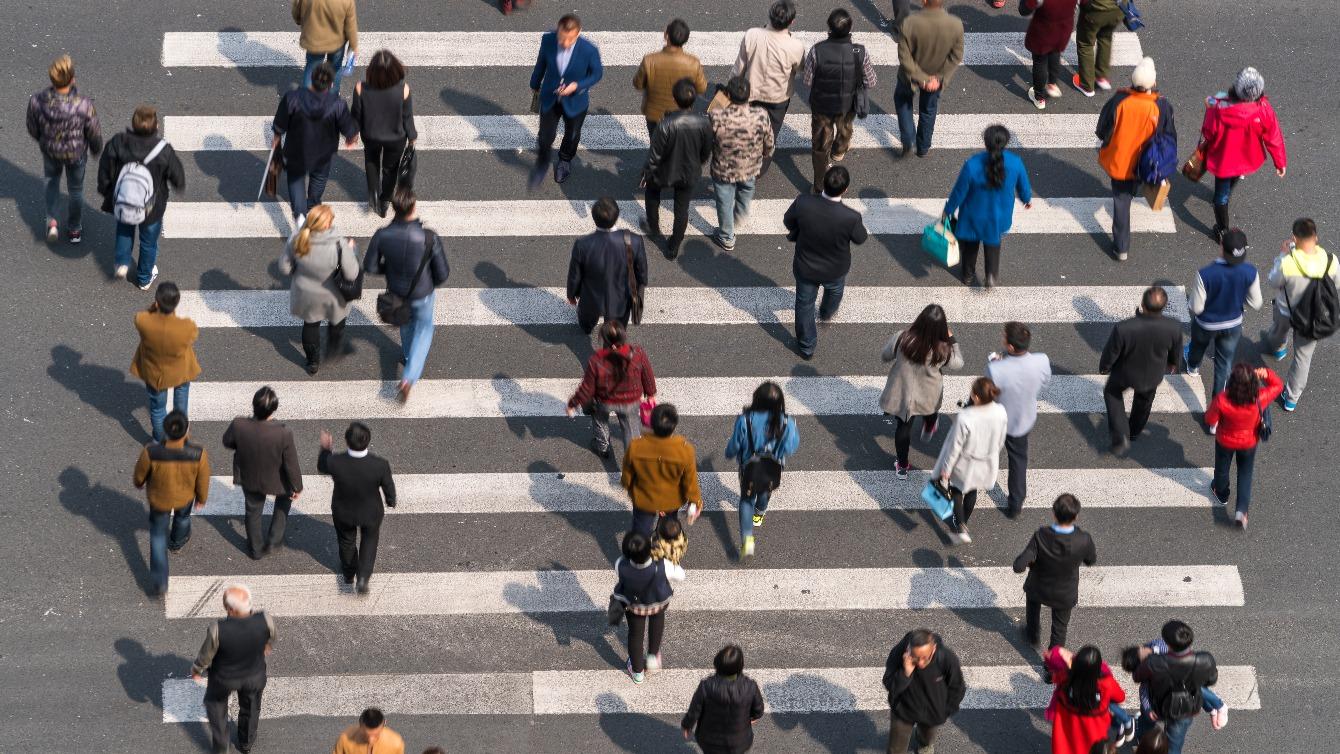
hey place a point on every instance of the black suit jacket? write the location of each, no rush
(1141, 350)
(1053, 560)
(360, 484)
(823, 231)
(598, 273)
(265, 457)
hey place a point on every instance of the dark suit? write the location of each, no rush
(583, 68)
(1053, 559)
(823, 231)
(598, 275)
(1139, 352)
(265, 462)
(356, 507)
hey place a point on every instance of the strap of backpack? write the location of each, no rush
(154, 152)
(749, 435)
(423, 263)
(860, 66)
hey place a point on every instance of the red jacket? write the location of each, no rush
(1050, 27)
(1074, 732)
(1237, 423)
(1238, 135)
(599, 382)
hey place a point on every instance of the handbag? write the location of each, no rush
(409, 164)
(535, 101)
(763, 472)
(395, 310)
(635, 291)
(614, 613)
(644, 411)
(349, 290)
(1130, 16)
(938, 240)
(1194, 167)
(937, 498)
(273, 167)
(1265, 426)
(861, 97)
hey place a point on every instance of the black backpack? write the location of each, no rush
(1316, 315)
(1181, 699)
(763, 472)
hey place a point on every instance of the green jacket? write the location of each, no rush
(1099, 6)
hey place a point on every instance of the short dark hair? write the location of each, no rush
(781, 14)
(664, 419)
(669, 528)
(636, 547)
(1304, 227)
(144, 121)
(1018, 335)
(167, 296)
(435, 750)
(385, 70)
(569, 21)
(372, 718)
(729, 661)
(1177, 635)
(1154, 300)
(1130, 659)
(920, 637)
(1066, 508)
(357, 436)
(677, 33)
(836, 181)
(839, 22)
(174, 425)
(264, 403)
(403, 201)
(605, 212)
(323, 77)
(685, 93)
(737, 89)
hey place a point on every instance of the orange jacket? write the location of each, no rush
(1126, 123)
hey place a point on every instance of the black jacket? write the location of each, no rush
(1141, 350)
(723, 711)
(360, 484)
(682, 143)
(313, 122)
(837, 75)
(396, 251)
(823, 231)
(598, 273)
(128, 147)
(931, 694)
(265, 457)
(1053, 561)
(1166, 673)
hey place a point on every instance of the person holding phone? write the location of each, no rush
(925, 684)
(566, 69)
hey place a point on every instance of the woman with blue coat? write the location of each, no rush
(983, 197)
(763, 427)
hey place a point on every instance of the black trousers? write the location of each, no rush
(1016, 451)
(968, 258)
(650, 626)
(776, 114)
(248, 692)
(964, 504)
(572, 134)
(902, 434)
(311, 339)
(381, 163)
(1060, 622)
(683, 194)
(358, 548)
(1118, 427)
(901, 10)
(255, 504)
(588, 320)
(1046, 70)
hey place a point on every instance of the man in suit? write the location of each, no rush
(361, 480)
(598, 272)
(1138, 353)
(566, 69)
(1052, 559)
(233, 656)
(265, 462)
(823, 229)
(679, 147)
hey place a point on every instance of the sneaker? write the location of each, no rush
(53, 231)
(1218, 498)
(637, 677)
(1186, 363)
(121, 271)
(963, 536)
(1038, 102)
(653, 662)
(1074, 81)
(1214, 429)
(76, 236)
(1241, 520)
(1127, 733)
(1104, 84)
(928, 430)
(1290, 406)
(1053, 91)
(758, 520)
(900, 470)
(1219, 718)
(726, 245)
(747, 549)
(152, 277)
(1122, 256)
(1281, 354)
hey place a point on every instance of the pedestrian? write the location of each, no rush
(65, 125)
(1223, 289)
(1235, 417)
(329, 28)
(920, 354)
(1139, 351)
(1301, 261)
(1239, 129)
(669, 542)
(725, 707)
(1021, 375)
(404, 251)
(309, 123)
(925, 685)
(659, 71)
(312, 256)
(742, 141)
(507, 6)
(265, 462)
(165, 358)
(383, 112)
(175, 475)
(644, 588)
(567, 67)
(598, 276)
(1049, 30)
(838, 73)
(1173, 682)
(1211, 704)
(1052, 558)
(362, 485)
(660, 472)
(763, 433)
(233, 657)
(1125, 125)
(983, 198)
(618, 377)
(1082, 707)
(134, 173)
(1098, 21)
(901, 10)
(969, 460)
(370, 736)
(679, 147)
(928, 54)
(823, 229)
(770, 57)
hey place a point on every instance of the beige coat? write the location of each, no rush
(971, 452)
(914, 389)
(770, 59)
(326, 24)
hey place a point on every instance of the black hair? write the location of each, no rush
(729, 661)
(569, 21)
(1153, 742)
(264, 403)
(1066, 508)
(1243, 387)
(677, 33)
(996, 137)
(1018, 336)
(357, 436)
(769, 398)
(1178, 636)
(781, 14)
(372, 718)
(167, 295)
(839, 23)
(1154, 300)
(385, 70)
(926, 341)
(1304, 227)
(737, 88)
(920, 637)
(685, 93)
(613, 335)
(836, 181)
(403, 202)
(636, 547)
(669, 528)
(1081, 685)
(664, 419)
(322, 77)
(174, 425)
(1130, 659)
(605, 212)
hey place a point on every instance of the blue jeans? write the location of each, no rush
(1176, 731)
(416, 336)
(1223, 189)
(314, 59)
(732, 201)
(807, 335)
(928, 104)
(1225, 346)
(179, 521)
(74, 184)
(305, 190)
(125, 244)
(646, 522)
(1223, 458)
(158, 405)
(748, 507)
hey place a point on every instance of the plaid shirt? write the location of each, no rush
(743, 139)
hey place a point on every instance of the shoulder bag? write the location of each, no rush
(1265, 426)
(861, 98)
(635, 291)
(763, 472)
(349, 290)
(395, 310)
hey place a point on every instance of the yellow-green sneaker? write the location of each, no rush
(758, 519)
(747, 549)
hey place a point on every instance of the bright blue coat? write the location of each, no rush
(985, 213)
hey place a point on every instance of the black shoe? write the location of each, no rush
(562, 169)
(1012, 511)
(904, 153)
(649, 232)
(990, 281)
(968, 278)
(672, 253)
(536, 178)
(1120, 447)
(312, 367)
(362, 586)
(606, 453)
(381, 209)
(348, 577)
(806, 356)
(923, 154)
(1031, 639)
(255, 555)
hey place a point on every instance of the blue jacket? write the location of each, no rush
(739, 438)
(1221, 292)
(985, 213)
(584, 68)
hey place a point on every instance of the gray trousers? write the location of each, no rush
(629, 421)
(902, 733)
(1277, 338)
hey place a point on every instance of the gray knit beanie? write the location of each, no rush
(1249, 85)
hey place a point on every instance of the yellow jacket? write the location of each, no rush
(661, 473)
(355, 741)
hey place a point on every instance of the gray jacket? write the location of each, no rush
(1020, 379)
(971, 452)
(312, 294)
(914, 389)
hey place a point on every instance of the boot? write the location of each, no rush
(1220, 222)
(313, 353)
(335, 342)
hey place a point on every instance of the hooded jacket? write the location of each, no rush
(931, 694)
(681, 144)
(1237, 136)
(165, 169)
(723, 711)
(600, 381)
(1052, 559)
(1125, 125)
(65, 125)
(313, 123)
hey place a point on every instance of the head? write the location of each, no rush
(996, 138)
(373, 722)
(984, 391)
(636, 547)
(1304, 233)
(1065, 509)
(323, 77)
(1153, 742)
(1017, 337)
(1145, 76)
(1249, 86)
(677, 33)
(1243, 386)
(1130, 659)
(61, 72)
(1178, 635)
(1235, 246)
(1154, 300)
(175, 425)
(144, 121)
(927, 339)
(921, 645)
(612, 333)
(932, 3)
(167, 296)
(669, 529)
(836, 181)
(1082, 683)
(405, 203)
(237, 601)
(664, 419)
(781, 14)
(319, 219)
(685, 93)
(1104, 747)
(738, 90)
(569, 27)
(605, 212)
(839, 23)
(385, 70)
(729, 661)
(264, 403)
(357, 437)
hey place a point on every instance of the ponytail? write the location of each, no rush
(996, 138)
(303, 243)
(319, 218)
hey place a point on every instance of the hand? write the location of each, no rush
(1281, 171)
(352, 140)
(909, 663)
(572, 302)
(294, 497)
(326, 440)
(932, 84)
(687, 734)
(199, 505)
(571, 412)
(1286, 247)
(274, 143)
(1028, 205)
(197, 678)
(411, 142)
(944, 479)
(564, 91)
(1262, 374)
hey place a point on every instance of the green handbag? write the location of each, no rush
(937, 239)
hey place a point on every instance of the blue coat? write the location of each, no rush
(584, 68)
(738, 445)
(985, 213)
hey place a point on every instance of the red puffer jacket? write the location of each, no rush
(1237, 423)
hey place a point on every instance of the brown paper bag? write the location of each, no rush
(719, 101)
(1156, 195)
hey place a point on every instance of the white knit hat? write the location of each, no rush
(1145, 76)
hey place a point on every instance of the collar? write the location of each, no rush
(604, 230)
(672, 49)
(1063, 529)
(358, 453)
(642, 565)
(837, 199)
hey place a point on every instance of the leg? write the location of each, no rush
(1118, 427)
(367, 549)
(1246, 468)
(1122, 192)
(254, 503)
(278, 522)
(1016, 451)
(926, 735)
(637, 628)
(1141, 405)
(902, 105)
(125, 244)
(1199, 342)
(967, 255)
(807, 335)
(1223, 192)
(51, 169)
(900, 735)
(391, 171)
(902, 439)
(181, 528)
(311, 344)
(1086, 37)
(249, 711)
(548, 131)
(158, 559)
(655, 632)
(1301, 367)
(956, 521)
(761, 502)
(746, 517)
(821, 143)
(644, 522)
(1225, 348)
(1060, 626)
(992, 253)
(683, 195)
(929, 106)
(1177, 730)
(157, 411)
(346, 535)
(216, 711)
(1054, 69)
(724, 194)
(1223, 458)
(181, 398)
(1277, 338)
(969, 504)
(572, 135)
(600, 428)
(652, 205)
(1103, 60)
(297, 193)
(373, 159)
(74, 186)
(842, 131)
(335, 338)
(314, 59)
(901, 10)
(148, 250)
(833, 291)
(316, 183)
(422, 339)
(744, 195)
(1041, 66)
(630, 421)
(1032, 620)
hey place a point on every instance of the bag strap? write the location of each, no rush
(749, 434)
(154, 152)
(628, 253)
(429, 237)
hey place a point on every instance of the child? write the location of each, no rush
(669, 543)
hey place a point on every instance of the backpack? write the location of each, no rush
(135, 189)
(1182, 698)
(1158, 159)
(763, 472)
(1316, 315)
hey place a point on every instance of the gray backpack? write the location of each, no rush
(135, 189)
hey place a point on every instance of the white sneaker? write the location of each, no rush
(1053, 90)
(653, 663)
(152, 277)
(1040, 104)
(1219, 718)
(1103, 84)
(121, 271)
(53, 231)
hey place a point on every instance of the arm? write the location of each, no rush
(1111, 351)
(142, 467)
(175, 173)
(742, 59)
(1091, 554)
(1167, 124)
(289, 466)
(755, 705)
(286, 261)
(202, 479)
(356, 104)
(594, 72)
(950, 452)
(281, 120)
(207, 651)
(1028, 556)
(735, 445)
(700, 80)
(1107, 118)
(808, 76)
(348, 127)
(955, 357)
(1254, 297)
(348, 259)
(230, 437)
(957, 688)
(908, 64)
(537, 73)
(574, 273)
(388, 487)
(890, 351)
(626, 475)
(106, 175)
(640, 77)
(586, 389)
(1175, 353)
(295, 8)
(639, 261)
(648, 376)
(93, 130)
(690, 721)
(1273, 138)
(660, 142)
(959, 193)
(858, 233)
(1214, 412)
(34, 118)
(791, 221)
(372, 258)
(407, 116)
(439, 267)
(688, 483)
(673, 571)
(868, 70)
(1024, 189)
(351, 27)
(790, 438)
(951, 65)
(1196, 300)
(1271, 389)
(323, 462)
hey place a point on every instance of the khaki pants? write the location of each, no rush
(902, 733)
(830, 136)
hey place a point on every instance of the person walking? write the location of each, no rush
(383, 112)
(659, 71)
(1080, 710)
(1098, 21)
(567, 68)
(680, 145)
(616, 379)
(838, 73)
(930, 51)
(1301, 261)
(660, 472)
(983, 199)
(1239, 129)
(309, 123)
(134, 173)
(312, 256)
(1139, 351)
(725, 707)
(362, 484)
(1050, 26)
(371, 735)
(165, 358)
(969, 460)
(1223, 289)
(232, 661)
(404, 251)
(1021, 375)
(176, 475)
(915, 387)
(1052, 558)
(328, 26)
(925, 684)
(1235, 415)
(644, 588)
(823, 230)
(770, 57)
(1173, 682)
(901, 10)
(65, 125)
(265, 462)
(598, 276)
(762, 431)
(742, 140)
(1125, 125)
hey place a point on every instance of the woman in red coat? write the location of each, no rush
(1085, 689)
(1048, 35)
(1233, 417)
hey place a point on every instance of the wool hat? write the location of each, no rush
(1250, 85)
(1145, 76)
(1235, 246)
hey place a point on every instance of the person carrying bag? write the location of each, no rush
(762, 439)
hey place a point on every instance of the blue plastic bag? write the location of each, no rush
(1131, 16)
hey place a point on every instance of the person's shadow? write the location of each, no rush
(586, 624)
(938, 577)
(141, 674)
(637, 732)
(848, 732)
(116, 515)
(104, 388)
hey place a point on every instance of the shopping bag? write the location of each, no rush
(1156, 195)
(938, 241)
(937, 498)
(719, 100)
